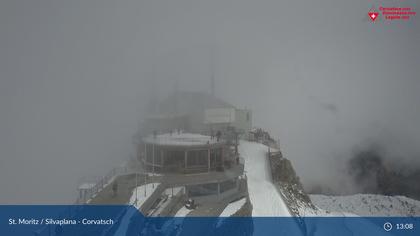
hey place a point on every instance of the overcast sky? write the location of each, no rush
(75, 77)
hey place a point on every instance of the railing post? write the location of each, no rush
(153, 166)
(185, 159)
(208, 160)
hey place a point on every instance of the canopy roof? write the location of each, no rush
(180, 139)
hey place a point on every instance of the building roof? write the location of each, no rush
(87, 185)
(181, 139)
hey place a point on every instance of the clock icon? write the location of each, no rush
(387, 226)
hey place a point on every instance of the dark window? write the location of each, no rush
(174, 158)
(197, 158)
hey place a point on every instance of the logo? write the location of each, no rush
(373, 14)
(391, 13)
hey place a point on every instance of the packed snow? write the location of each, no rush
(265, 199)
(232, 208)
(143, 193)
(168, 195)
(182, 212)
(175, 139)
(87, 185)
(174, 191)
(368, 204)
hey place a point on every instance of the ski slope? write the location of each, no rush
(265, 199)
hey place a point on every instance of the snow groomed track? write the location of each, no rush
(265, 199)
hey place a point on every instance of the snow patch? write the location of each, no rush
(180, 139)
(233, 207)
(230, 209)
(182, 212)
(368, 204)
(143, 193)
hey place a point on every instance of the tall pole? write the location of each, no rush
(185, 160)
(236, 142)
(145, 169)
(146, 163)
(208, 160)
(136, 188)
(153, 167)
(145, 183)
(212, 79)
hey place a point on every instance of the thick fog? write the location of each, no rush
(76, 78)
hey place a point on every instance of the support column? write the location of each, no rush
(145, 157)
(153, 156)
(222, 157)
(208, 159)
(161, 158)
(236, 142)
(185, 159)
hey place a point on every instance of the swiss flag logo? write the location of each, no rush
(373, 15)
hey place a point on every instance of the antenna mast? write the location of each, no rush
(212, 79)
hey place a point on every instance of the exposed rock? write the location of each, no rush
(245, 210)
(288, 183)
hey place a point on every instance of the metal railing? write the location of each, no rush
(107, 179)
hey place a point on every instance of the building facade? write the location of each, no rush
(208, 167)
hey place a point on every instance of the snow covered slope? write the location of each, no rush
(263, 195)
(233, 207)
(265, 199)
(368, 205)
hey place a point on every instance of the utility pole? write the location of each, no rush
(212, 79)
(236, 142)
(136, 188)
(153, 167)
(145, 184)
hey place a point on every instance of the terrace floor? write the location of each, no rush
(126, 184)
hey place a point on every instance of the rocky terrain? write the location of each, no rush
(368, 204)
